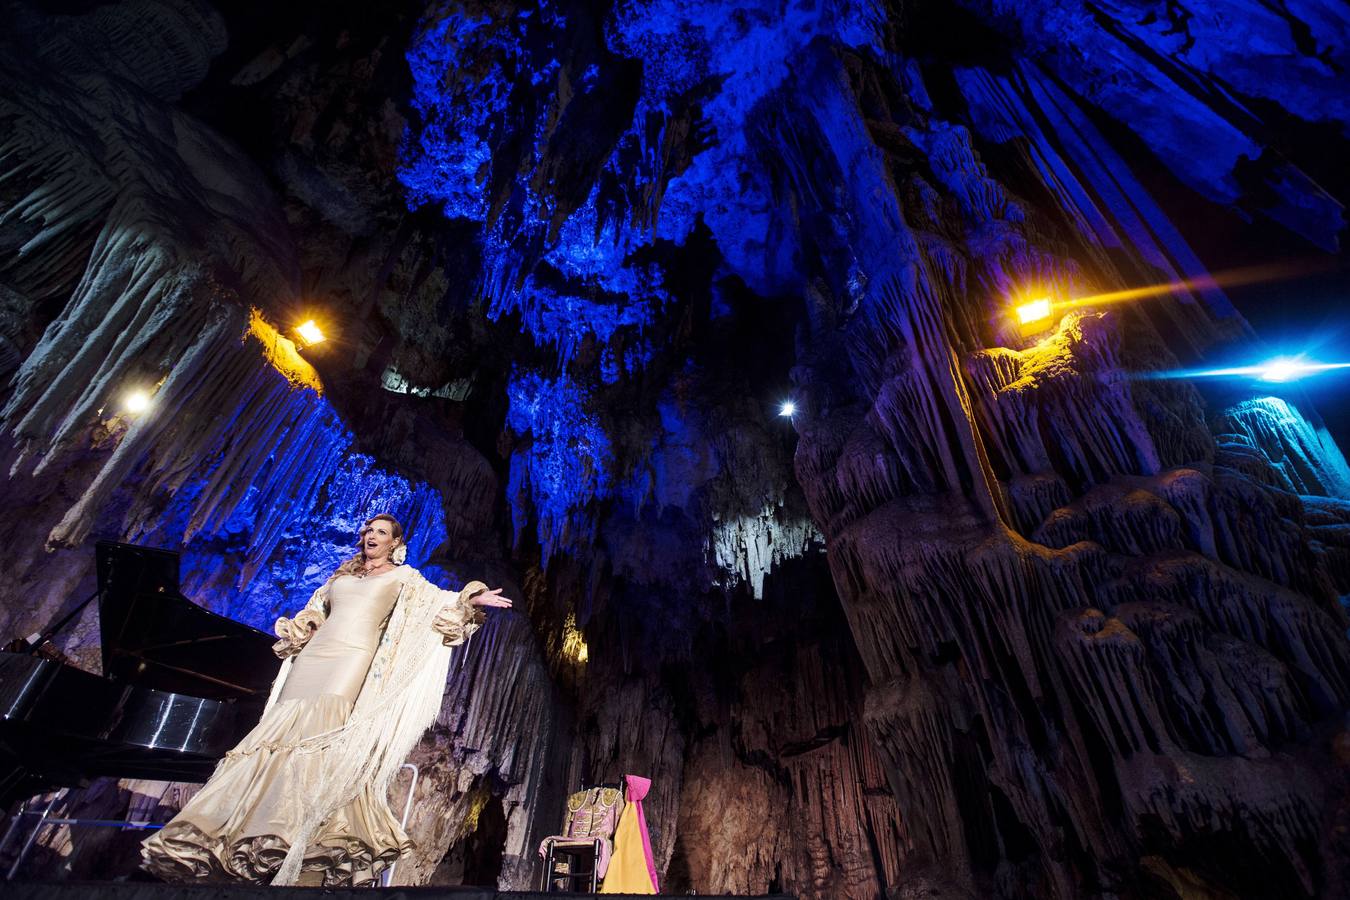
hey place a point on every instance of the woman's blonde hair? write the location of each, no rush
(357, 563)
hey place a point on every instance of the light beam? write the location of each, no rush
(1280, 370)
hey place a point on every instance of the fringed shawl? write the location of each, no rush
(399, 700)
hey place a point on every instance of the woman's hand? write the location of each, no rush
(491, 598)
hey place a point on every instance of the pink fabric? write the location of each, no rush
(637, 789)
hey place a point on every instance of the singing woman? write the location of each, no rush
(302, 798)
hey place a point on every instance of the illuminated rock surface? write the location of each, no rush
(991, 614)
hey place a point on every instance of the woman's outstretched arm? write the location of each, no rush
(462, 613)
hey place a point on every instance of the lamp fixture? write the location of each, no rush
(136, 401)
(1033, 312)
(310, 333)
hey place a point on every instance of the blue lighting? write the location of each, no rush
(580, 276)
(261, 549)
(565, 465)
(788, 409)
(1280, 370)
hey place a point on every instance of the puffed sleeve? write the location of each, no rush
(459, 618)
(296, 632)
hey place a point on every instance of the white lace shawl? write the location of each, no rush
(399, 700)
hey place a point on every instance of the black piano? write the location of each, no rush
(181, 686)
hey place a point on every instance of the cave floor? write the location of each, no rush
(144, 890)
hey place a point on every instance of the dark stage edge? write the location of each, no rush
(147, 890)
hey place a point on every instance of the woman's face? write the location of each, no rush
(378, 540)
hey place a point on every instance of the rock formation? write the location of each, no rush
(994, 612)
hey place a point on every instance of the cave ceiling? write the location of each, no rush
(995, 611)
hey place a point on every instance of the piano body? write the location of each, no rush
(181, 686)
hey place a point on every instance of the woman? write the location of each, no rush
(301, 799)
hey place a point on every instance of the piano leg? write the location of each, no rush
(32, 835)
(14, 821)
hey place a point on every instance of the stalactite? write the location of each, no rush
(1122, 519)
(1222, 695)
(566, 466)
(748, 547)
(163, 47)
(1116, 677)
(795, 785)
(1158, 78)
(916, 742)
(166, 235)
(1095, 188)
(62, 199)
(1034, 497)
(1096, 647)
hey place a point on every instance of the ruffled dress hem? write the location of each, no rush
(183, 852)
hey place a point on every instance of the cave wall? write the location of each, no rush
(1009, 520)
(144, 250)
(992, 614)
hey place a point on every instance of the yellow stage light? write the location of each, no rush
(574, 643)
(1033, 312)
(310, 333)
(136, 402)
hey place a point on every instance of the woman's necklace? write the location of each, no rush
(376, 570)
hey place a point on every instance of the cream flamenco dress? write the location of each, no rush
(301, 799)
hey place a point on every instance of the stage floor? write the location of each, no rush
(145, 890)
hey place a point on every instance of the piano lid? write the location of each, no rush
(155, 637)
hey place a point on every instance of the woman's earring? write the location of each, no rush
(399, 555)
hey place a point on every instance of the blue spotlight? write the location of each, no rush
(787, 409)
(1280, 370)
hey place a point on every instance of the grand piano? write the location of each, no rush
(181, 686)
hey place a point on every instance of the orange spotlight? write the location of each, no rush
(1225, 279)
(1032, 313)
(310, 333)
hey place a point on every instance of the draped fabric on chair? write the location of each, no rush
(632, 870)
(592, 815)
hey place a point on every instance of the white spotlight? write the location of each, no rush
(1281, 370)
(787, 409)
(136, 402)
